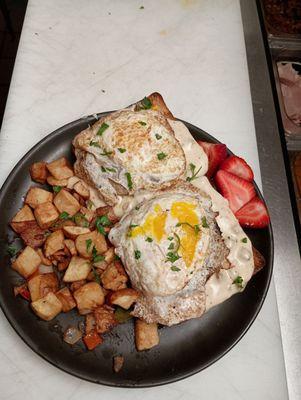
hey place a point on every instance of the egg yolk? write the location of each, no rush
(154, 224)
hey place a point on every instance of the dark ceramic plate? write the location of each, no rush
(183, 350)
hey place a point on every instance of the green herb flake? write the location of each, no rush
(106, 153)
(161, 156)
(171, 246)
(98, 258)
(121, 150)
(146, 104)
(170, 238)
(90, 204)
(204, 223)
(172, 257)
(137, 208)
(149, 239)
(194, 173)
(142, 123)
(102, 128)
(104, 220)
(107, 169)
(238, 281)
(158, 137)
(122, 315)
(129, 180)
(94, 144)
(197, 229)
(244, 240)
(100, 228)
(88, 244)
(64, 215)
(96, 275)
(57, 189)
(174, 268)
(12, 250)
(141, 7)
(80, 220)
(137, 254)
(133, 226)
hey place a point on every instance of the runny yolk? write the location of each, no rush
(153, 226)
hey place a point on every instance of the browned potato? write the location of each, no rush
(104, 318)
(109, 255)
(88, 214)
(123, 297)
(72, 181)
(77, 284)
(90, 323)
(30, 232)
(64, 201)
(56, 182)
(114, 276)
(65, 297)
(60, 168)
(89, 297)
(146, 335)
(48, 307)
(71, 247)
(73, 231)
(85, 243)
(109, 211)
(54, 242)
(25, 214)
(27, 262)
(82, 189)
(36, 196)
(38, 172)
(45, 260)
(77, 270)
(46, 214)
(40, 285)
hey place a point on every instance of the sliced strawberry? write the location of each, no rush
(236, 190)
(238, 166)
(216, 154)
(253, 214)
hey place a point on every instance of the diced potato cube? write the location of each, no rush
(46, 214)
(90, 323)
(48, 307)
(88, 214)
(89, 297)
(72, 181)
(104, 318)
(40, 285)
(36, 196)
(146, 335)
(73, 231)
(57, 182)
(77, 284)
(82, 189)
(64, 201)
(54, 242)
(45, 261)
(71, 247)
(109, 255)
(77, 270)
(27, 262)
(123, 297)
(38, 172)
(25, 214)
(65, 297)
(85, 243)
(114, 276)
(60, 168)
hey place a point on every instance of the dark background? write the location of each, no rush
(11, 20)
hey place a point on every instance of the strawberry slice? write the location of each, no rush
(236, 190)
(216, 154)
(238, 166)
(253, 214)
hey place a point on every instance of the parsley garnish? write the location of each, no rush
(194, 173)
(137, 254)
(161, 156)
(129, 180)
(105, 169)
(196, 228)
(171, 246)
(170, 238)
(244, 240)
(106, 153)
(204, 223)
(149, 239)
(238, 281)
(96, 257)
(80, 220)
(57, 189)
(103, 127)
(101, 222)
(95, 144)
(172, 257)
(142, 123)
(104, 220)
(158, 137)
(133, 226)
(64, 215)
(96, 275)
(12, 250)
(174, 268)
(121, 150)
(146, 103)
(88, 244)
(137, 208)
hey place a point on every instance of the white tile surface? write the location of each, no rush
(191, 51)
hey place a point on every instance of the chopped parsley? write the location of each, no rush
(142, 123)
(106, 153)
(172, 257)
(96, 257)
(96, 275)
(158, 137)
(238, 281)
(171, 246)
(95, 144)
(105, 169)
(137, 254)
(133, 226)
(64, 215)
(88, 244)
(196, 228)
(90, 204)
(137, 208)
(170, 238)
(57, 189)
(146, 104)
(101, 223)
(12, 250)
(149, 239)
(102, 128)
(244, 240)
(194, 173)
(161, 156)
(174, 268)
(129, 180)
(80, 220)
(121, 150)
(104, 220)
(204, 223)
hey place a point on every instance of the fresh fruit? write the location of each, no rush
(216, 154)
(238, 166)
(236, 190)
(253, 214)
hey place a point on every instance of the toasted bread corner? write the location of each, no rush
(259, 260)
(159, 104)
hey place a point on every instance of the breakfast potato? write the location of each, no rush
(65, 297)
(73, 232)
(45, 261)
(85, 244)
(46, 214)
(36, 196)
(79, 198)
(54, 242)
(109, 212)
(48, 307)
(78, 269)
(40, 285)
(90, 323)
(89, 297)
(38, 172)
(24, 214)
(65, 202)
(104, 318)
(109, 255)
(70, 245)
(146, 335)
(88, 214)
(123, 297)
(30, 232)
(60, 168)
(72, 181)
(27, 262)
(82, 189)
(114, 277)
(77, 284)
(56, 182)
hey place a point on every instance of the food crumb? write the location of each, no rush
(118, 363)
(142, 8)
